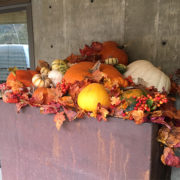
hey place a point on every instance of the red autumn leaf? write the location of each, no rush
(157, 117)
(94, 49)
(59, 119)
(51, 108)
(74, 58)
(169, 158)
(76, 87)
(71, 115)
(97, 46)
(9, 97)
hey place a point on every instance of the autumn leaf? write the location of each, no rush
(13, 70)
(52, 108)
(169, 136)
(98, 75)
(9, 97)
(115, 101)
(20, 105)
(169, 158)
(74, 58)
(71, 115)
(100, 113)
(66, 101)
(157, 117)
(16, 86)
(138, 116)
(59, 119)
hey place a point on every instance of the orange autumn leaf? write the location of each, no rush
(16, 86)
(100, 113)
(138, 116)
(169, 136)
(66, 101)
(115, 101)
(59, 119)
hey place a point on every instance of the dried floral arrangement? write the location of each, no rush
(100, 83)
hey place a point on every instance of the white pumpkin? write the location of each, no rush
(144, 72)
(55, 76)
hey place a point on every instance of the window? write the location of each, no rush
(15, 39)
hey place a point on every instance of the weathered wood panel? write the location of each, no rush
(32, 148)
(149, 29)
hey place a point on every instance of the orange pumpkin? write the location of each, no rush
(79, 71)
(110, 44)
(24, 76)
(110, 50)
(44, 95)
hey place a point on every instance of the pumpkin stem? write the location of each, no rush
(95, 67)
(13, 70)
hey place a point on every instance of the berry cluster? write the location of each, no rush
(148, 103)
(63, 86)
(159, 99)
(142, 103)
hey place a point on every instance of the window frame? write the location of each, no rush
(28, 8)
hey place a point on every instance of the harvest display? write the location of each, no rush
(100, 83)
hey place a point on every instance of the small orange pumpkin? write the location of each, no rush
(110, 50)
(24, 76)
(79, 71)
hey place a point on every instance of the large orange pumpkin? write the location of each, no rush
(24, 76)
(110, 50)
(79, 71)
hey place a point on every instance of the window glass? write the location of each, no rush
(14, 48)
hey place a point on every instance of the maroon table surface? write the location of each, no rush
(31, 148)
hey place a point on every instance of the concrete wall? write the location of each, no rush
(149, 29)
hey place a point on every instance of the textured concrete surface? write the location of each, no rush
(149, 29)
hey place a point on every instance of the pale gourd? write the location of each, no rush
(55, 76)
(144, 72)
(39, 80)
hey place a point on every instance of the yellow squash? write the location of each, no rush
(91, 95)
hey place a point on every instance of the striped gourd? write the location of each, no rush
(121, 68)
(59, 65)
(111, 61)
